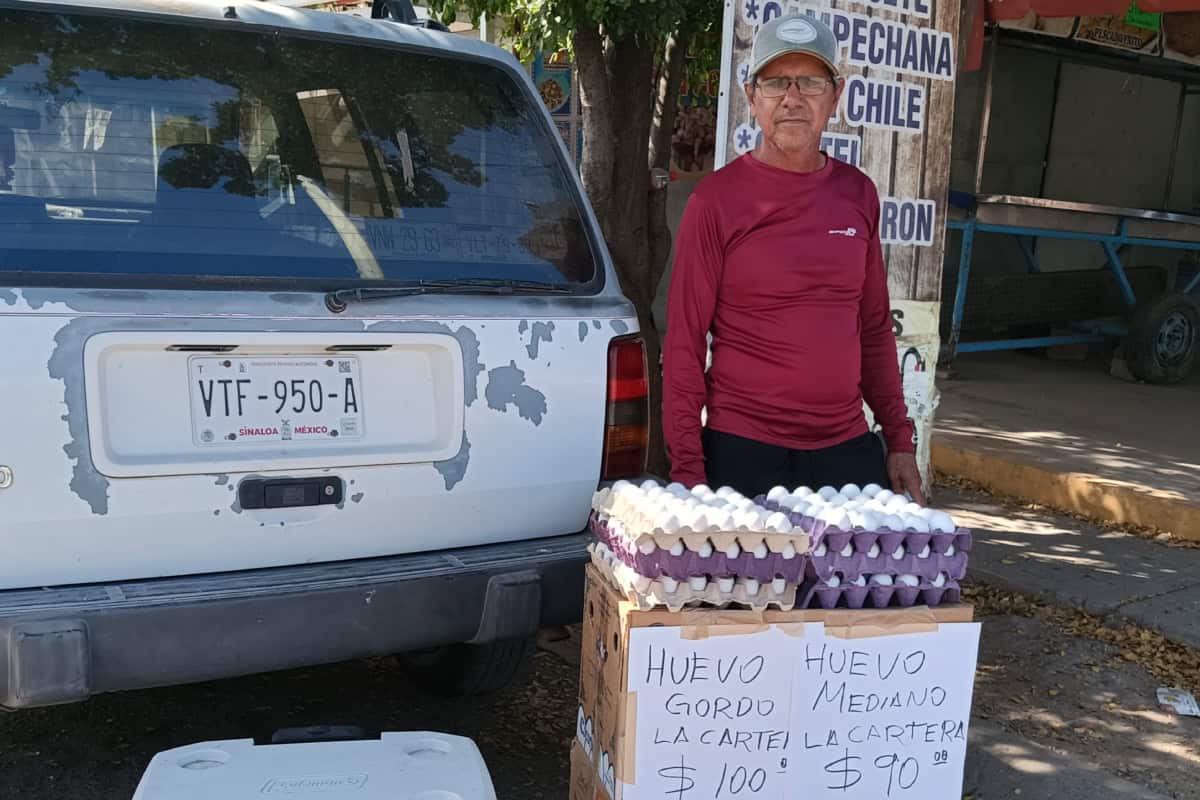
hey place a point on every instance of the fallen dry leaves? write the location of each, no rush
(942, 479)
(1170, 662)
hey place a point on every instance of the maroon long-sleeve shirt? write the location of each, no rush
(786, 271)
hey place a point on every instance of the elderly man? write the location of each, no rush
(778, 257)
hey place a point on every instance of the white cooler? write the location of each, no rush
(397, 766)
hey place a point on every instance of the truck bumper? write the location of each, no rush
(61, 645)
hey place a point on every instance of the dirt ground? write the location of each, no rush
(1075, 694)
(1080, 696)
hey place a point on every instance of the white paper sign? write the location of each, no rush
(713, 715)
(884, 717)
(771, 714)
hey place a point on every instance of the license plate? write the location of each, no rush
(271, 399)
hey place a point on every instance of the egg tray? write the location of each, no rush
(721, 541)
(852, 566)
(661, 562)
(818, 595)
(652, 592)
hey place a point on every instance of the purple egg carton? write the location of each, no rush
(690, 563)
(851, 567)
(818, 595)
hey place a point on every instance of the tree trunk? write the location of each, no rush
(614, 76)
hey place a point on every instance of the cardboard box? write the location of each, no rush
(607, 724)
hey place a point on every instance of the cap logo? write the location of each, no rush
(797, 31)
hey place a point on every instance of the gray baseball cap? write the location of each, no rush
(794, 33)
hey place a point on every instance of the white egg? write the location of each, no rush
(851, 490)
(893, 522)
(885, 496)
(827, 492)
(670, 585)
(914, 523)
(678, 549)
(940, 580)
(778, 586)
(882, 580)
(710, 499)
(803, 491)
(802, 508)
(761, 551)
(838, 501)
(649, 485)
(834, 582)
(669, 523)
(647, 547)
(777, 493)
(721, 520)
(926, 551)
(733, 551)
(838, 518)
(897, 503)
(736, 497)
(874, 551)
(951, 550)
(870, 520)
(746, 503)
(858, 520)
(701, 489)
(779, 523)
(692, 502)
(706, 550)
(621, 486)
(910, 580)
(752, 587)
(820, 550)
(725, 491)
(725, 584)
(912, 508)
(848, 550)
(789, 551)
(941, 522)
(872, 490)
(698, 583)
(860, 581)
(898, 553)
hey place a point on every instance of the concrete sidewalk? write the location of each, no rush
(1067, 435)
(1122, 577)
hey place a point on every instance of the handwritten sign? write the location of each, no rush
(713, 715)
(884, 717)
(789, 711)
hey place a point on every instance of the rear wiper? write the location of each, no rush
(336, 301)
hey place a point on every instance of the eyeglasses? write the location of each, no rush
(811, 85)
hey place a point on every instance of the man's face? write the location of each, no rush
(792, 122)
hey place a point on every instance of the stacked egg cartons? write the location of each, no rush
(666, 545)
(872, 548)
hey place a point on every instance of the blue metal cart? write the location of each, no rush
(1162, 334)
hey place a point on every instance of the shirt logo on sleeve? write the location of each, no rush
(844, 232)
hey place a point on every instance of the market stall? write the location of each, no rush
(1159, 327)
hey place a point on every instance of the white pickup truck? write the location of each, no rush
(312, 349)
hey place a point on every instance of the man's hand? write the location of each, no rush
(905, 476)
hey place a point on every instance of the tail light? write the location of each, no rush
(627, 415)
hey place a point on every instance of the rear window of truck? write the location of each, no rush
(148, 149)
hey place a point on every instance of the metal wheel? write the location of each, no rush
(1164, 339)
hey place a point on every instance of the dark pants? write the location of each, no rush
(754, 468)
